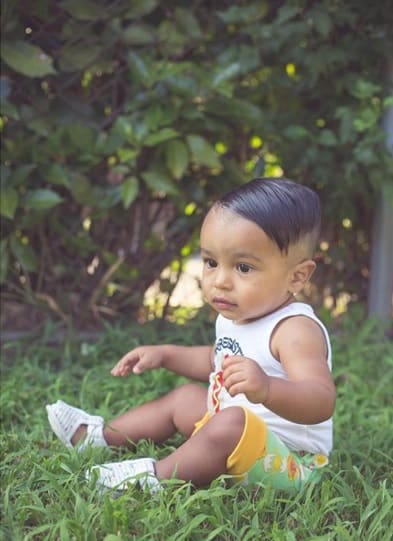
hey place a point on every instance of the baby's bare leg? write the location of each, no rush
(203, 457)
(176, 411)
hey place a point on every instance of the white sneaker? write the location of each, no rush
(120, 475)
(65, 420)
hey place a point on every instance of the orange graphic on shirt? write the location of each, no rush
(217, 386)
(293, 470)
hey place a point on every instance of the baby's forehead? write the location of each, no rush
(230, 222)
(230, 229)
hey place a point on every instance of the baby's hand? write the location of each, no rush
(243, 375)
(138, 360)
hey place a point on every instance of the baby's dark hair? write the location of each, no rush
(286, 211)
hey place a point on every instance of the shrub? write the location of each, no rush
(123, 121)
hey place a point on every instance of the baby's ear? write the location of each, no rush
(301, 274)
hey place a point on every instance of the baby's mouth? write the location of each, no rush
(221, 302)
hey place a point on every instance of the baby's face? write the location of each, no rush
(245, 276)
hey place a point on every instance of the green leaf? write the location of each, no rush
(140, 8)
(140, 69)
(81, 189)
(106, 143)
(346, 127)
(129, 191)
(159, 181)
(4, 258)
(123, 128)
(24, 254)
(241, 110)
(202, 151)
(366, 119)
(57, 174)
(41, 126)
(365, 155)
(127, 155)
(41, 199)
(323, 22)
(9, 109)
(5, 174)
(296, 132)
(141, 129)
(286, 13)
(183, 85)
(160, 136)
(159, 115)
(87, 10)
(105, 198)
(27, 59)
(172, 41)
(188, 23)
(140, 34)
(77, 57)
(227, 73)
(387, 102)
(327, 138)
(365, 89)
(22, 173)
(177, 158)
(8, 202)
(81, 136)
(246, 14)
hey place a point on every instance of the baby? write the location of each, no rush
(266, 415)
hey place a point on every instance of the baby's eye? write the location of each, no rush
(210, 263)
(243, 268)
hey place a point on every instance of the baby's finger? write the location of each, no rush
(230, 360)
(231, 379)
(234, 388)
(231, 370)
(118, 370)
(139, 367)
(122, 368)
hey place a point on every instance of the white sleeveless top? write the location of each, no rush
(253, 340)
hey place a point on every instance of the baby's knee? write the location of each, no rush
(233, 415)
(188, 405)
(227, 424)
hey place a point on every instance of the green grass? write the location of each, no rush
(45, 496)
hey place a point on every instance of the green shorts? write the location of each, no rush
(262, 457)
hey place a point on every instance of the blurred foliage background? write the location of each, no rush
(122, 121)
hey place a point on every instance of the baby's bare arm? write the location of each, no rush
(190, 361)
(308, 395)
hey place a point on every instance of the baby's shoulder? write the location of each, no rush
(298, 332)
